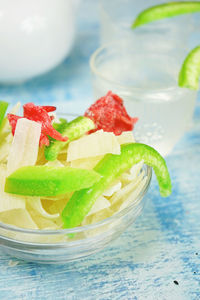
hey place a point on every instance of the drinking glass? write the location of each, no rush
(147, 82)
(117, 16)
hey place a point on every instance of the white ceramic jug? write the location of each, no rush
(35, 36)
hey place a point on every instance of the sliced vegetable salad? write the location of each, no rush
(57, 174)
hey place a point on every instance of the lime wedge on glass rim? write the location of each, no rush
(190, 71)
(166, 10)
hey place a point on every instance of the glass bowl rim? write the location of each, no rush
(110, 45)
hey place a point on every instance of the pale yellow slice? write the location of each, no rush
(95, 144)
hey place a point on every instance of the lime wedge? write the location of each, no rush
(190, 71)
(166, 10)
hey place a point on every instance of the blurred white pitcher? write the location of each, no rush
(35, 36)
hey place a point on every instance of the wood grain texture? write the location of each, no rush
(163, 245)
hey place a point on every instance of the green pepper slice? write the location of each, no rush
(3, 109)
(48, 180)
(110, 167)
(73, 130)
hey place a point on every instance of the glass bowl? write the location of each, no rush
(64, 245)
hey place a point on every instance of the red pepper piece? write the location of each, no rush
(13, 121)
(39, 114)
(109, 114)
(44, 140)
(48, 108)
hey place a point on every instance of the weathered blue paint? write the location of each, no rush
(164, 243)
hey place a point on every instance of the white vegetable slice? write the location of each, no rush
(136, 168)
(7, 201)
(127, 189)
(18, 217)
(86, 163)
(56, 207)
(95, 144)
(5, 148)
(6, 129)
(94, 218)
(24, 148)
(114, 187)
(59, 223)
(100, 203)
(15, 108)
(132, 174)
(42, 222)
(34, 203)
(133, 196)
(53, 198)
(54, 163)
(126, 137)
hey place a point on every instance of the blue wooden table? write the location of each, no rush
(158, 257)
